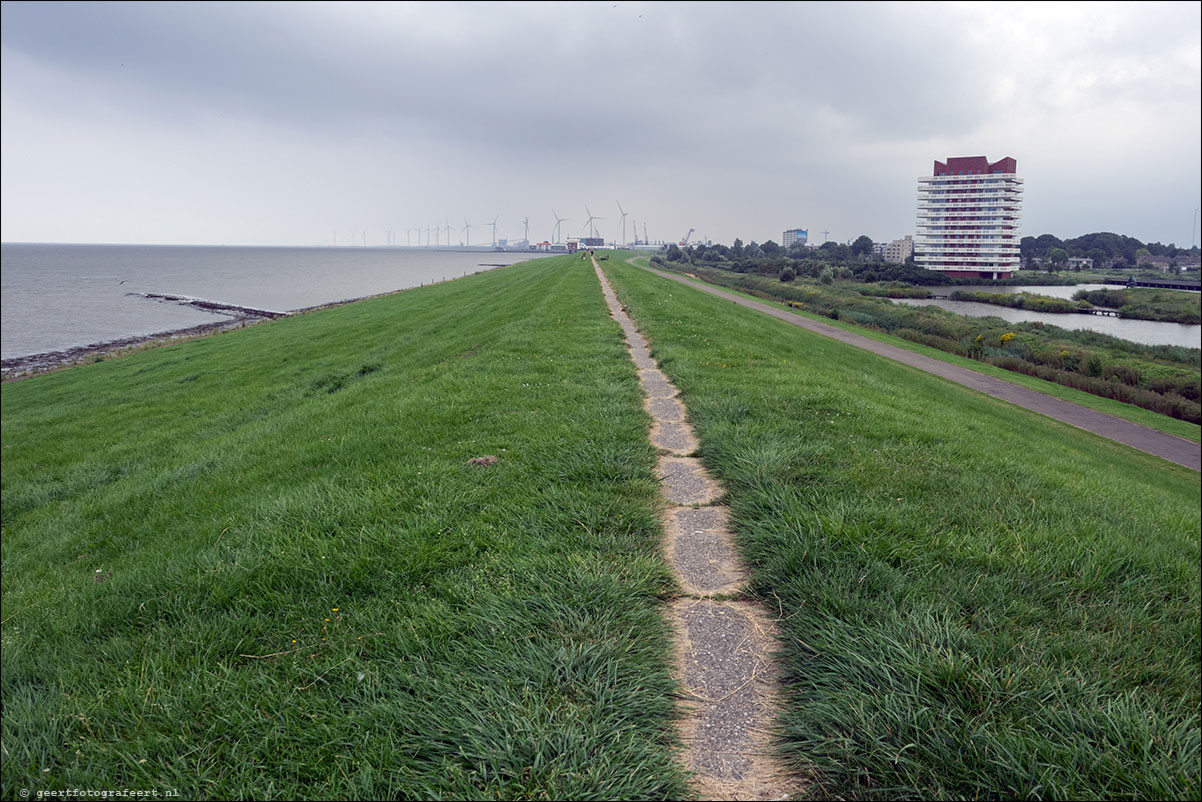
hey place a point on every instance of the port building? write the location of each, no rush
(969, 215)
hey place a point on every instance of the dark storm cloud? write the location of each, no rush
(538, 76)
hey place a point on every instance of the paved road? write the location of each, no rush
(1169, 447)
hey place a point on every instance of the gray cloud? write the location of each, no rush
(739, 119)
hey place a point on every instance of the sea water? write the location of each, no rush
(54, 297)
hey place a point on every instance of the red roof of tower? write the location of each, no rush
(969, 165)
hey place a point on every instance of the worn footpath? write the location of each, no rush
(723, 645)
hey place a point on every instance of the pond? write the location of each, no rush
(1147, 332)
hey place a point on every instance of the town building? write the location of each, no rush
(969, 211)
(794, 235)
(899, 250)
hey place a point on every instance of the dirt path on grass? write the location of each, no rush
(724, 647)
(1174, 449)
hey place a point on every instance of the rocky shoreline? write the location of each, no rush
(34, 364)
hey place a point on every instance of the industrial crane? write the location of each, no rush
(685, 239)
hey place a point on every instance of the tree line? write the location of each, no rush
(1104, 249)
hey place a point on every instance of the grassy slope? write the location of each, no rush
(1144, 417)
(976, 601)
(257, 565)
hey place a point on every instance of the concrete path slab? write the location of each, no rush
(656, 384)
(685, 482)
(666, 410)
(675, 438)
(725, 649)
(702, 552)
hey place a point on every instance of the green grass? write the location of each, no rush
(1144, 417)
(976, 601)
(259, 565)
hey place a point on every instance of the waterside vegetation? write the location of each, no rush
(1137, 303)
(1147, 304)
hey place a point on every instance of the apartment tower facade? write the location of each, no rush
(969, 211)
(794, 235)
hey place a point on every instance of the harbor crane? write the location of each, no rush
(685, 239)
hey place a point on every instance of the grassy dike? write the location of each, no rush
(1130, 412)
(260, 565)
(976, 601)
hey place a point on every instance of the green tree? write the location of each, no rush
(1096, 255)
(673, 253)
(836, 251)
(862, 246)
(770, 248)
(1058, 257)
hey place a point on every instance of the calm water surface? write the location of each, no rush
(1147, 332)
(55, 297)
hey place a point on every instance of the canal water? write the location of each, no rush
(1147, 332)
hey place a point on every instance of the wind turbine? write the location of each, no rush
(591, 217)
(467, 227)
(447, 228)
(558, 220)
(494, 230)
(526, 236)
(623, 211)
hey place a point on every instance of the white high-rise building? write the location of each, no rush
(897, 251)
(794, 235)
(968, 218)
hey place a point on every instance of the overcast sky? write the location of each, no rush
(283, 123)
